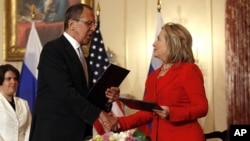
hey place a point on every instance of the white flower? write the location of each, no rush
(122, 136)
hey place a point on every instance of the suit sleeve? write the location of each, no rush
(192, 81)
(28, 123)
(135, 120)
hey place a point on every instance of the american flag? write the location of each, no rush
(98, 56)
(98, 63)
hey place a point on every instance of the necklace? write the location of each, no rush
(166, 67)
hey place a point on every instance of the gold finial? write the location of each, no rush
(33, 11)
(159, 5)
(98, 10)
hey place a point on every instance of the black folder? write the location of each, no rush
(140, 104)
(112, 76)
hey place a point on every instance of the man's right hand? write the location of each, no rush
(108, 121)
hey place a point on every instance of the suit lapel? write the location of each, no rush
(5, 105)
(75, 59)
(70, 50)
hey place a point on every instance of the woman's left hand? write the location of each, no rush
(164, 113)
(112, 94)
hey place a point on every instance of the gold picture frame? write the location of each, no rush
(12, 52)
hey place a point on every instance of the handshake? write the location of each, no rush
(109, 121)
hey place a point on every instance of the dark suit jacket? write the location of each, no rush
(62, 111)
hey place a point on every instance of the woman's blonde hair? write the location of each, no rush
(179, 42)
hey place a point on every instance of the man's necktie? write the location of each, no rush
(84, 64)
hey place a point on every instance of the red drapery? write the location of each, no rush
(238, 61)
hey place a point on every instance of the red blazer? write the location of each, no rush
(182, 90)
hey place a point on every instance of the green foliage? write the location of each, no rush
(140, 136)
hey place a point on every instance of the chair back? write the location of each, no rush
(223, 135)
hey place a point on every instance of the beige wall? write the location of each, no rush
(128, 28)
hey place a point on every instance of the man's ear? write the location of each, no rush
(71, 24)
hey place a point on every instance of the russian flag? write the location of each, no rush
(155, 62)
(28, 79)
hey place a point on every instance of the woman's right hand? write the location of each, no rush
(164, 113)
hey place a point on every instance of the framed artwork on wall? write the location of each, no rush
(47, 15)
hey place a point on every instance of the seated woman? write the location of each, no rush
(15, 119)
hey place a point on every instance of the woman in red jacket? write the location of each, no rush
(177, 86)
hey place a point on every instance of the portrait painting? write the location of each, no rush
(48, 16)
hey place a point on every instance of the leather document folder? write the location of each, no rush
(140, 104)
(112, 76)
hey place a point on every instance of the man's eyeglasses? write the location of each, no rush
(88, 23)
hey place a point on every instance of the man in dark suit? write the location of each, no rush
(62, 110)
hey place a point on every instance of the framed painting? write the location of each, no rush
(17, 23)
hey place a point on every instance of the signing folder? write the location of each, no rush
(112, 76)
(140, 104)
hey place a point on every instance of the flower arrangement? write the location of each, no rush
(128, 135)
(111, 136)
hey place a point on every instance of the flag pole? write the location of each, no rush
(154, 64)
(98, 66)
